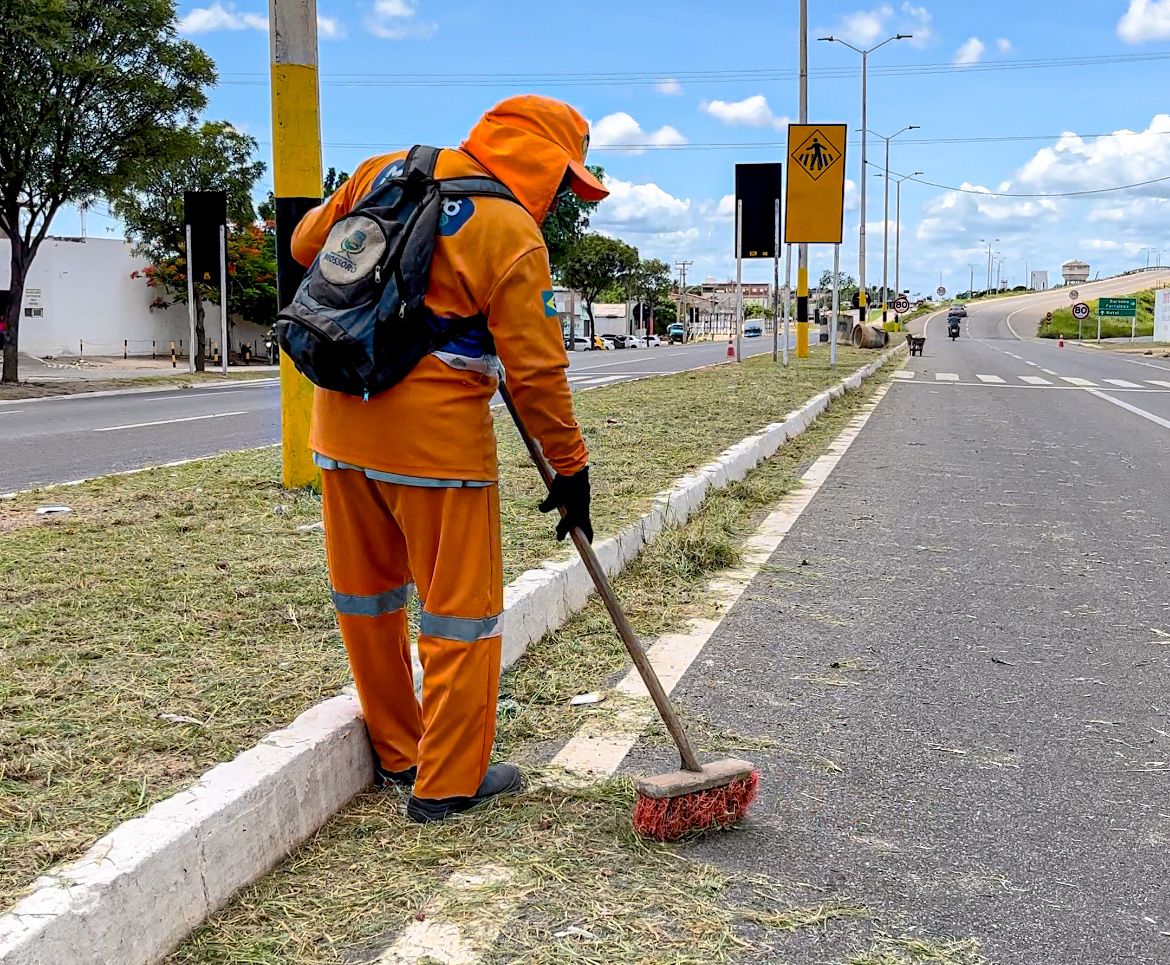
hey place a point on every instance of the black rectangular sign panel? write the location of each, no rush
(759, 187)
(205, 212)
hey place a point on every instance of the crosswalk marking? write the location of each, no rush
(1122, 384)
(1034, 380)
(946, 377)
(903, 374)
(583, 381)
(1074, 380)
(1047, 371)
(1158, 382)
(994, 379)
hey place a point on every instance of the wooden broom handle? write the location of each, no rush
(633, 645)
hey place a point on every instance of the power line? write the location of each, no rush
(1060, 194)
(739, 75)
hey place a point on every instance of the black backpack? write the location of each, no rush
(358, 324)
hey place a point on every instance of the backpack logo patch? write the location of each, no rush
(352, 251)
(354, 242)
(454, 215)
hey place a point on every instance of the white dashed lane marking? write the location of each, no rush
(946, 377)
(1122, 383)
(1158, 382)
(1074, 380)
(1047, 371)
(992, 379)
(1034, 380)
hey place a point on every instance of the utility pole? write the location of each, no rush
(984, 241)
(682, 267)
(802, 249)
(296, 170)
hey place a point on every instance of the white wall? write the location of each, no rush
(90, 304)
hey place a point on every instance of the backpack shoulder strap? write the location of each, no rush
(476, 187)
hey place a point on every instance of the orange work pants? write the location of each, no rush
(380, 538)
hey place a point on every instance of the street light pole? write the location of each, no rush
(898, 235)
(886, 223)
(862, 294)
(984, 241)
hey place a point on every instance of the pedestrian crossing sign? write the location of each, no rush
(816, 184)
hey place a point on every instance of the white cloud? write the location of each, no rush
(863, 27)
(641, 209)
(725, 209)
(750, 112)
(225, 16)
(916, 21)
(617, 130)
(220, 16)
(1124, 157)
(1145, 20)
(970, 52)
(399, 20)
(1004, 45)
(851, 195)
(668, 86)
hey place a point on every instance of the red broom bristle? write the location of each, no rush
(669, 818)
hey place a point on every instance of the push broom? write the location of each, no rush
(697, 796)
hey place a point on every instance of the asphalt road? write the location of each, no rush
(65, 438)
(955, 669)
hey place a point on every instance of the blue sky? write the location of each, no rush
(683, 76)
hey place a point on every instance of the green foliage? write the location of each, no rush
(566, 225)
(92, 92)
(755, 310)
(596, 263)
(1063, 323)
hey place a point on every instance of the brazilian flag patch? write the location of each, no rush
(550, 304)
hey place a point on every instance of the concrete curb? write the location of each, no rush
(152, 880)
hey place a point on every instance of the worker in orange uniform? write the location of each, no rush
(409, 476)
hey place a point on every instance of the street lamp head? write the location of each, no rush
(914, 127)
(904, 37)
(829, 39)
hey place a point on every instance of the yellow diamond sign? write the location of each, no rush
(815, 155)
(815, 209)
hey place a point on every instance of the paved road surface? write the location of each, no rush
(66, 438)
(961, 659)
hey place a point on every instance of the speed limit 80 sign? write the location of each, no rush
(1080, 311)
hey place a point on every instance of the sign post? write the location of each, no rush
(836, 306)
(1080, 312)
(1120, 308)
(815, 201)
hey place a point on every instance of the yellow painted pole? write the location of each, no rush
(296, 169)
(802, 312)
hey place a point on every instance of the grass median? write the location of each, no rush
(575, 883)
(175, 616)
(1063, 325)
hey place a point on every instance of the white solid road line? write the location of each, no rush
(1034, 380)
(1074, 380)
(1157, 420)
(1122, 384)
(993, 379)
(167, 422)
(946, 377)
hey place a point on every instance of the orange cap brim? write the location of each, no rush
(584, 184)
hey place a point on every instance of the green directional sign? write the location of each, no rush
(1117, 307)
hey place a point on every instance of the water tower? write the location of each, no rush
(1075, 272)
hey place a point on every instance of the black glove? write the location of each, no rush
(572, 492)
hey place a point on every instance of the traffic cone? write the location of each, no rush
(730, 348)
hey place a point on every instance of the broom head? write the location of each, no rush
(672, 805)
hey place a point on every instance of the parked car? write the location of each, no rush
(580, 341)
(676, 332)
(611, 341)
(650, 341)
(626, 341)
(753, 330)
(600, 344)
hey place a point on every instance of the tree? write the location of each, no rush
(92, 91)
(596, 262)
(566, 225)
(756, 310)
(217, 158)
(652, 282)
(848, 286)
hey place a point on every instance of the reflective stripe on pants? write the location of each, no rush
(380, 537)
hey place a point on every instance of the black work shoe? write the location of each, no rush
(384, 778)
(500, 779)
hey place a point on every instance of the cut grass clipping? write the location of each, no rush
(177, 615)
(569, 879)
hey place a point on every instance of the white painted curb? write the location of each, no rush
(152, 880)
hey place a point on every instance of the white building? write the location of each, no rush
(80, 299)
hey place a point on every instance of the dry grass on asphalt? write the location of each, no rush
(569, 856)
(904, 950)
(177, 615)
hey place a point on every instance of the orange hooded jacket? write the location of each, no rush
(490, 260)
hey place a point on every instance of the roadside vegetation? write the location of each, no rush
(174, 616)
(1064, 325)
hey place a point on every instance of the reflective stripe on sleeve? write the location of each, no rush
(374, 604)
(465, 629)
